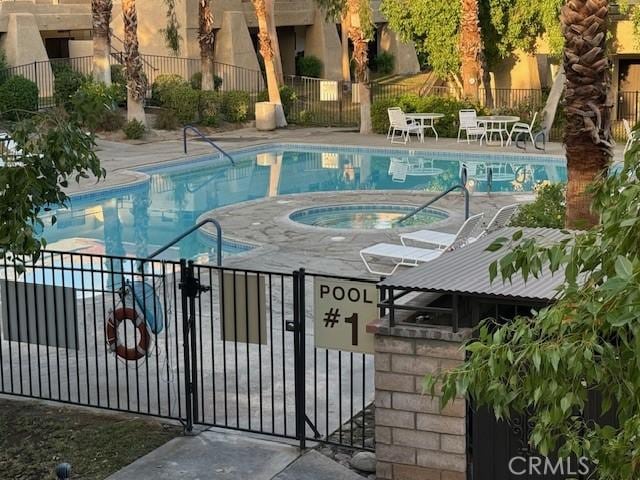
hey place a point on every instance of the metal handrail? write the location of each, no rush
(204, 137)
(434, 200)
(187, 233)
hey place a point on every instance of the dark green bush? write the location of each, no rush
(92, 106)
(183, 100)
(309, 66)
(196, 81)
(66, 83)
(4, 67)
(134, 130)
(18, 94)
(209, 108)
(235, 106)
(288, 96)
(162, 84)
(166, 120)
(411, 103)
(119, 81)
(383, 63)
(547, 210)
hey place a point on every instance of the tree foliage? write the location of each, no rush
(506, 25)
(587, 340)
(53, 150)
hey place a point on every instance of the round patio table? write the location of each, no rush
(426, 121)
(496, 125)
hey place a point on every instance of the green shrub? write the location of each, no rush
(209, 108)
(288, 96)
(196, 81)
(166, 120)
(547, 210)
(18, 94)
(134, 130)
(383, 63)
(119, 81)
(92, 106)
(235, 106)
(411, 103)
(184, 101)
(4, 67)
(309, 66)
(66, 83)
(162, 84)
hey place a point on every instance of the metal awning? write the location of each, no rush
(466, 271)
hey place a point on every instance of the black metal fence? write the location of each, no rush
(196, 343)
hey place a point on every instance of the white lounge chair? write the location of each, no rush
(629, 132)
(9, 152)
(391, 119)
(469, 123)
(523, 128)
(469, 231)
(398, 122)
(400, 255)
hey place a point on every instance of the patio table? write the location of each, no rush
(496, 124)
(426, 121)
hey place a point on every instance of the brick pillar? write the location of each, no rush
(415, 439)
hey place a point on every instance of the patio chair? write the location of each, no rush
(399, 123)
(629, 132)
(399, 255)
(391, 119)
(9, 151)
(468, 232)
(469, 124)
(523, 128)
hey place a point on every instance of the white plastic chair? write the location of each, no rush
(469, 123)
(629, 132)
(522, 127)
(399, 255)
(391, 119)
(399, 123)
(468, 232)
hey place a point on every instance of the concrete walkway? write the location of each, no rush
(231, 456)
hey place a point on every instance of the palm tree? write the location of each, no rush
(471, 49)
(360, 32)
(587, 135)
(265, 17)
(136, 80)
(206, 38)
(344, 43)
(101, 18)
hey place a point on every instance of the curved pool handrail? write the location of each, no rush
(206, 139)
(188, 232)
(434, 200)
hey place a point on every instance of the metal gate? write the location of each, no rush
(217, 346)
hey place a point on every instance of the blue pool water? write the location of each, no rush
(136, 220)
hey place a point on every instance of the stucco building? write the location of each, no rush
(37, 30)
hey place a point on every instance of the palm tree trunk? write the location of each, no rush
(344, 38)
(471, 49)
(206, 38)
(101, 19)
(588, 131)
(360, 32)
(267, 52)
(275, 43)
(136, 81)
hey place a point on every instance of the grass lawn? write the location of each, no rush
(35, 437)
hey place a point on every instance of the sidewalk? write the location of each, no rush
(232, 456)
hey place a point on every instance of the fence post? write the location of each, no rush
(299, 354)
(186, 350)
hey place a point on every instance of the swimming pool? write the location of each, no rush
(136, 219)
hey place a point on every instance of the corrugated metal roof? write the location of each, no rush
(466, 271)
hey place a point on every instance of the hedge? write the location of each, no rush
(16, 94)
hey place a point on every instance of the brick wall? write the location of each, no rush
(415, 439)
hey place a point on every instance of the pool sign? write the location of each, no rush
(342, 310)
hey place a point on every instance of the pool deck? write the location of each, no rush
(284, 245)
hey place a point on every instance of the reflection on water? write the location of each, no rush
(140, 219)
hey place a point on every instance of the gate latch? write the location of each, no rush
(290, 326)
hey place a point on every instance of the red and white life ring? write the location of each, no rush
(116, 345)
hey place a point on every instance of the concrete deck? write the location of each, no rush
(228, 456)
